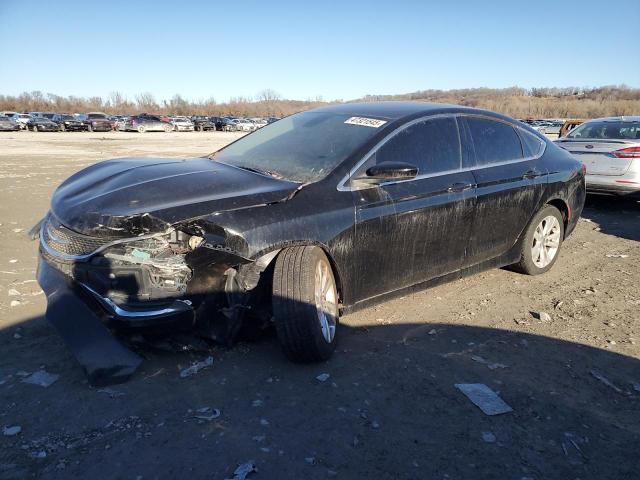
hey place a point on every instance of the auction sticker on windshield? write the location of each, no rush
(365, 122)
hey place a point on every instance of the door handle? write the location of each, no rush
(531, 174)
(460, 187)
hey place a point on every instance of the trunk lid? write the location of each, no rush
(598, 156)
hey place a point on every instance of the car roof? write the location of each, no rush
(616, 119)
(398, 110)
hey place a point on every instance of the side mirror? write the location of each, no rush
(387, 171)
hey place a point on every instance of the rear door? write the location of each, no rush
(510, 183)
(412, 230)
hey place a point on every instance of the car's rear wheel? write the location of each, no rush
(169, 128)
(541, 242)
(141, 129)
(305, 304)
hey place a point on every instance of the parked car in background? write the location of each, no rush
(226, 124)
(569, 125)
(244, 125)
(285, 227)
(22, 119)
(8, 124)
(610, 149)
(48, 115)
(145, 122)
(42, 124)
(181, 124)
(272, 119)
(69, 122)
(121, 121)
(259, 122)
(97, 122)
(202, 123)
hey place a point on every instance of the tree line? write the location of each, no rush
(514, 101)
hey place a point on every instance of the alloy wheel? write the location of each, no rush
(546, 241)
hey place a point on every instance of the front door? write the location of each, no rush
(413, 230)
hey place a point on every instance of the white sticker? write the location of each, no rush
(365, 122)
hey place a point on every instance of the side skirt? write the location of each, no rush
(509, 258)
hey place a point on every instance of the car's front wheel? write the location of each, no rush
(305, 304)
(542, 241)
(169, 128)
(141, 129)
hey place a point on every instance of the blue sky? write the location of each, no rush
(302, 49)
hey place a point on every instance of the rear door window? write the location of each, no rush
(432, 145)
(493, 141)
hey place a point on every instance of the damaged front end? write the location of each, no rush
(188, 276)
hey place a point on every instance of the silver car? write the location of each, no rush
(610, 150)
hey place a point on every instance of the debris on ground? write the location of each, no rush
(13, 292)
(207, 413)
(616, 255)
(11, 431)
(196, 367)
(542, 316)
(41, 378)
(15, 303)
(488, 437)
(243, 470)
(323, 377)
(111, 392)
(599, 376)
(484, 398)
(490, 365)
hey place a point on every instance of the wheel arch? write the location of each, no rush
(564, 209)
(337, 275)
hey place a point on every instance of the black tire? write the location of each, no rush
(294, 305)
(527, 265)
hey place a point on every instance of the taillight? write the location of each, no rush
(584, 169)
(629, 152)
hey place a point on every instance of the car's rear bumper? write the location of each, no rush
(615, 184)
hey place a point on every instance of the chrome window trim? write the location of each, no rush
(343, 183)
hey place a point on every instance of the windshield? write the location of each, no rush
(66, 117)
(97, 115)
(303, 148)
(607, 130)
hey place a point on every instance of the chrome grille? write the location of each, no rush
(65, 242)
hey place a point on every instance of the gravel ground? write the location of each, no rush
(388, 408)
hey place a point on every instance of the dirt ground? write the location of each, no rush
(389, 408)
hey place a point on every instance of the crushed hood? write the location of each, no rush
(133, 196)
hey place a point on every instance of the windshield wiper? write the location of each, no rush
(260, 171)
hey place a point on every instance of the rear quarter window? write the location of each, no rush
(493, 141)
(532, 146)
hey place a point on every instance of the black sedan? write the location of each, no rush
(42, 124)
(309, 218)
(69, 123)
(202, 123)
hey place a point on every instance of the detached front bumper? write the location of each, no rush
(104, 360)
